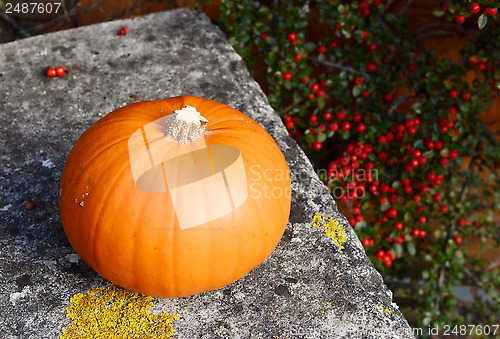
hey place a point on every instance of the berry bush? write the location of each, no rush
(395, 132)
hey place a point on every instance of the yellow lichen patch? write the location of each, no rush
(333, 229)
(388, 310)
(115, 313)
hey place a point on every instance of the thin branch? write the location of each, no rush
(12, 22)
(396, 104)
(488, 134)
(405, 7)
(340, 66)
(440, 282)
(434, 25)
(292, 105)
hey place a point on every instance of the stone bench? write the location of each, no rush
(307, 288)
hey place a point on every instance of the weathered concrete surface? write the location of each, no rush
(164, 55)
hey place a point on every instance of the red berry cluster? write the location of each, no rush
(56, 72)
(123, 31)
(385, 257)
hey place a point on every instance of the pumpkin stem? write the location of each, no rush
(185, 125)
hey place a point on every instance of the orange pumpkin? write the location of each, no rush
(174, 197)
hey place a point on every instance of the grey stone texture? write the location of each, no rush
(164, 54)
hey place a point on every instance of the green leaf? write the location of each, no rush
(411, 248)
(417, 107)
(438, 12)
(310, 46)
(482, 20)
(418, 143)
(356, 90)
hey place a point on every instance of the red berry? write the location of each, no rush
(371, 67)
(304, 80)
(321, 49)
(297, 57)
(437, 197)
(458, 240)
(414, 162)
(321, 93)
(358, 81)
(60, 71)
(123, 31)
(398, 225)
(361, 128)
(438, 145)
(444, 162)
(422, 219)
(51, 73)
(317, 145)
(345, 125)
(357, 117)
(460, 19)
(373, 47)
(287, 76)
(490, 11)
(380, 253)
(453, 154)
(416, 199)
(382, 139)
(340, 115)
(415, 232)
(368, 148)
(334, 126)
(463, 222)
(443, 209)
(453, 93)
(391, 213)
(292, 37)
(315, 87)
(474, 7)
(333, 44)
(407, 189)
(466, 96)
(382, 156)
(412, 67)
(387, 263)
(388, 97)
(399, 240)
(289, 125)
(423, 233)
(313, 118)
(453, 110)
(328, 116)
(264, 36)
(430, 144)
(431, 176)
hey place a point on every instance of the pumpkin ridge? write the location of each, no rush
(96, 229)
(98, 154)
